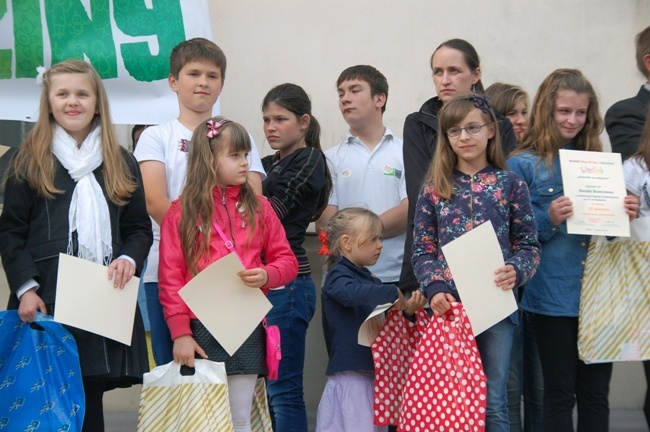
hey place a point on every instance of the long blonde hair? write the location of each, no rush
(35, 162)
(197, 202)
(541, 137)
(445, 159)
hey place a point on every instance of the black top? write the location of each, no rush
(624, 122)
(34, 230)
(420, 139)
(295, 186)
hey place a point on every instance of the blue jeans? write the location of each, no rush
(525, 378)
(293, 308)
(142, 300)
(495, 345)
(161, 340)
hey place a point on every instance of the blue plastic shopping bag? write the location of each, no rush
(40, 378)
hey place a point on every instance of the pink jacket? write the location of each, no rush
(269, 238)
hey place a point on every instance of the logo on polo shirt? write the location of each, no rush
(346, 173)
(393, 172)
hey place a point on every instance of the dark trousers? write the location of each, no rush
(568, 380)
(646, 406)
(94, 417)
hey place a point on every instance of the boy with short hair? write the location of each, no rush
(197, 73)
(367, 167)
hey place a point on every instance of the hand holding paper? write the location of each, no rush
(120, 272)
(86, 299)
(228, 308)
(594, 183)
(560, 210)
(486, 304)
(506, 277)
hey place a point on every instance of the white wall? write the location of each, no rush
(309, 43)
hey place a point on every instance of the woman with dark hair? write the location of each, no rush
(298, 185)
(456, 71)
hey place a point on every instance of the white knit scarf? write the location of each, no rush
(88, 213)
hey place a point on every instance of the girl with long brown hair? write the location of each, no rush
(565, 115)
(217, 194)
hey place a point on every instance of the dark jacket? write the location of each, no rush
(420, 138)
(34, 230)
(296, 186)
(624, 122)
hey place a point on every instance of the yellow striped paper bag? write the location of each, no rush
(260, 416)
(614, 320)
(171, 402)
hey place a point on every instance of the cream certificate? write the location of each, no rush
(371, 327)
(86, 299)
(595, 184)
(473, 258)
(225, 306)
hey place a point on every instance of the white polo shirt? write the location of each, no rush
(372, 180)
(168, 143)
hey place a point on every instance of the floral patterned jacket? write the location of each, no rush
(490, 195)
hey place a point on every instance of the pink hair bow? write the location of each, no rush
(214, 129)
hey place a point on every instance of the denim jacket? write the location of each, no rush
(492, 195)
(555, 289)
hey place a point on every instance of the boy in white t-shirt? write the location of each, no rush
(196, 75)
(368, 167)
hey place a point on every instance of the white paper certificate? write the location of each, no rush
(371, 327)
(595, 184)
(86, 299)
(3, 150)
(473, 258)
(226, 307)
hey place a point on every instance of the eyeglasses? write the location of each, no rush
(471, 129)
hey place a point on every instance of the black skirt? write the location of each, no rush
(249, 359)
(112, 362)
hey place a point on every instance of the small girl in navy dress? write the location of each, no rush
(350, 293)
(467, 185)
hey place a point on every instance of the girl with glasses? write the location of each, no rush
(466, 186)
(456, 71)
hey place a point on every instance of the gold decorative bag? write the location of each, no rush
(614, 319)
(172, 401)
(260, 416)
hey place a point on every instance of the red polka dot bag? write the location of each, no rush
(446, 388)
(392, 352)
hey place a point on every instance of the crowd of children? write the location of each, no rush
(196, 188)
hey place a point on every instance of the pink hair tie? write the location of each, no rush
(214, 129)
